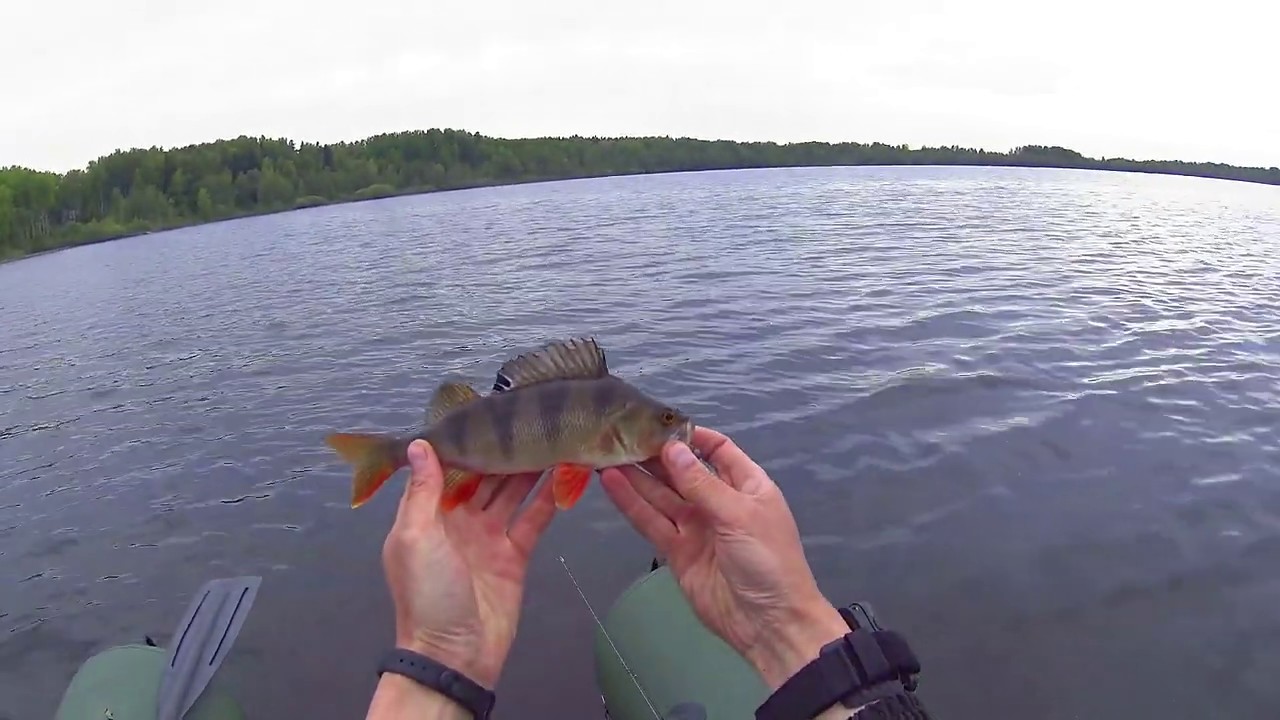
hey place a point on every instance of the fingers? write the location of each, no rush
(530, 523)
(420, 504)
(654, 467)
(695, 483)
(708, 441)
(644, 517)
(491, 487)
(509, 494)
(732, 464)
(656, 492)
(485, 492)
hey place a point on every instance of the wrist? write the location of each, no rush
(398, 697)
(460, 659)
(798, 638)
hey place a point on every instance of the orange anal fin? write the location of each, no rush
(459, 486)
(568, 483)
(373, 457)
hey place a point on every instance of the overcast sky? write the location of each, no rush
(1192, 81)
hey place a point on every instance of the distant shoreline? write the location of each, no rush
(139, 191)
(279, 211)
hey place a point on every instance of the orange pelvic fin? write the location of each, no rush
(374, 458)
(459, 486)
(569, 482)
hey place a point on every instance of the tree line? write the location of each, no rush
(139, 190)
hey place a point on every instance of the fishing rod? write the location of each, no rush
(604, 632)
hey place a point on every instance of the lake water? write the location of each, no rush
(1033, 416)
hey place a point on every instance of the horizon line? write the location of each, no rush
(598, 137)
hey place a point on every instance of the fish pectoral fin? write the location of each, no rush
(569, 483)
(459, 486)
(574, 359)
(449, 396)
(610, 441)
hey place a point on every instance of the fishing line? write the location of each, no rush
(599, 624)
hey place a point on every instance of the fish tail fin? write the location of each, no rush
(459, 486)
(374, 458)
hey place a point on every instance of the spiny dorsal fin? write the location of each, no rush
(448, 396)
(574, 359)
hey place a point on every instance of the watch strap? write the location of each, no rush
(441, 678)
(851, 670)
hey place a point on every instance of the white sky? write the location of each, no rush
(1175, 80)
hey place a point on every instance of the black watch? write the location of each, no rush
(441, 678)
(864, 664)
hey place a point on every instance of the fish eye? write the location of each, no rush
(668, 417)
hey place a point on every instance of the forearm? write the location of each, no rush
(800, 639)
(398, 697)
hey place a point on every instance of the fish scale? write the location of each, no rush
(551, 414)
(558, 408)
(510, 434)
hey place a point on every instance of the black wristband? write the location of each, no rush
(854, 669)
(441, 678)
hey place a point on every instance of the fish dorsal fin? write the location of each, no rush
(449, 396)
(574, 359)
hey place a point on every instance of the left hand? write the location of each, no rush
(457, 578)
(733, 546)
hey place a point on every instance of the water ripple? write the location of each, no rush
(1031, 414)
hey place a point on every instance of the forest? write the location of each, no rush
(139, 190)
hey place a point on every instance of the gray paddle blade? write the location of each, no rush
(201, 642)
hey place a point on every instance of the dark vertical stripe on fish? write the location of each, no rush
(604, 394)
(502, 418)
(456, 431)
(589, 414)
(552, 401)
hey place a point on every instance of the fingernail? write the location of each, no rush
(680, 456)
(417, 453)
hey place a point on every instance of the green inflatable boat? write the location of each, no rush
(146, 682)
(653, 658)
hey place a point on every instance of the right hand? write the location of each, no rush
(733, 546)
(457, 580)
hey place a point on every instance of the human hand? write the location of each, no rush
(732, 544)
(457, 579)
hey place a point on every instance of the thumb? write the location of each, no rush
(420, 504)
(694, 481)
